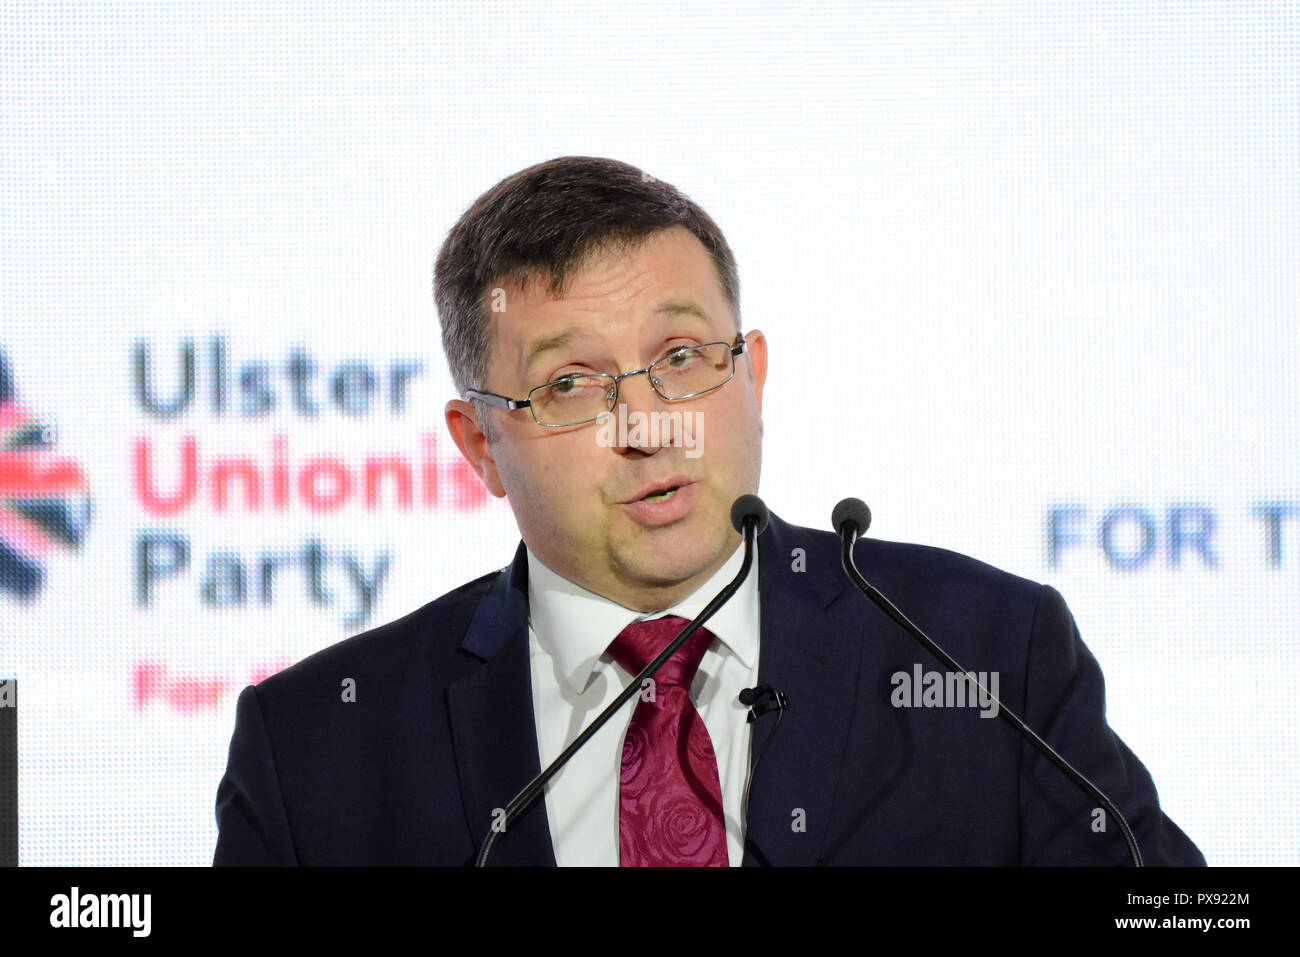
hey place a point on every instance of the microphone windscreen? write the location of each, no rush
(745, 507)
(851, 510)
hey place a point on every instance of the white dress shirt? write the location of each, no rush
(574, 680)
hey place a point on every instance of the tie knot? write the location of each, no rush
(641, 642)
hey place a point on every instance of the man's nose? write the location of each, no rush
(639, 406)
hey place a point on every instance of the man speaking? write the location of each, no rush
(590, 316)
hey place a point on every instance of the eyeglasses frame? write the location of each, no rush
(512, 405)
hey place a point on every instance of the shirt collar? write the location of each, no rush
(575, 626)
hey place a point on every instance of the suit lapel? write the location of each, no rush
(803, 654)
(494, 730)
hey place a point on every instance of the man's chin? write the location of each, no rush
(660, 572)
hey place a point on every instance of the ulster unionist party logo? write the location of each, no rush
(45, 500)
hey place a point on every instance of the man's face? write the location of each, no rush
(579, 498)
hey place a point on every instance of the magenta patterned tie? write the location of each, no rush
(670, 801)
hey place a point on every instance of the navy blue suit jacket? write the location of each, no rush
(441, 731)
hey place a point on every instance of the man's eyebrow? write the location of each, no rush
(675, 308)
(546, 344)
(562, 340)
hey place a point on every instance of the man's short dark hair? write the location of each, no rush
(544, 221)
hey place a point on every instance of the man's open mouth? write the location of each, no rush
(661, 496)
(657, 492)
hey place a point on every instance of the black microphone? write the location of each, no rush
(851, 518)
(762, 699)
(749, 516)
(749, 508)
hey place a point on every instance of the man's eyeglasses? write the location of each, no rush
(578, 399)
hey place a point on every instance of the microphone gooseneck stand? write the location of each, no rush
(851, 518)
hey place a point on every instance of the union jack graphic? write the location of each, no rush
(44, 498)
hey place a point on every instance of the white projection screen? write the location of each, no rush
(1027, 271)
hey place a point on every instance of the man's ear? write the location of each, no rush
(756, 349)
(462, 423)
